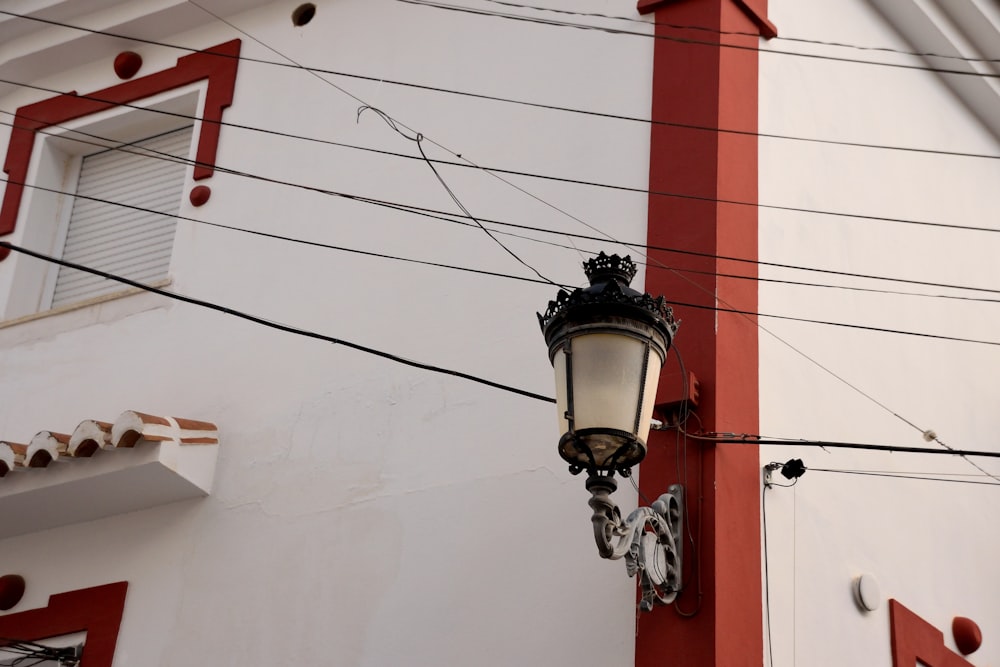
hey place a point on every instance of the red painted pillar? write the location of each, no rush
(698, 80)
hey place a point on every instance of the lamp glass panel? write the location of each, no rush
(653, 367)
(607, 377)
(559, 365)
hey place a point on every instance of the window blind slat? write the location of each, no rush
(123, 241)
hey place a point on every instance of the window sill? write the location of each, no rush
(98, 310)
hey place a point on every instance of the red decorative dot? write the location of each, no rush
(968, 636)
(200, 195)
(127, 63)
(11, 590)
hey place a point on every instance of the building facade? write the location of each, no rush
(272, 389)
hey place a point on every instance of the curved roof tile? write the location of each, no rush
(130, 428)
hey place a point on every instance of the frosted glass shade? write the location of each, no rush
(607, 344)
(606, 385)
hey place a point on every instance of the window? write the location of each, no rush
(105, 192)
(48, 145)
(122, 220)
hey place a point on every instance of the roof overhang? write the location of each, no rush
(964, 33)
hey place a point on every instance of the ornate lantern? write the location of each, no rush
(607, 344)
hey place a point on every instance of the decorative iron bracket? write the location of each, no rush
(650, 539)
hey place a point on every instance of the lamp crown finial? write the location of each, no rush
(604, 268)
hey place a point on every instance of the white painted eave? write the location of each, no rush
(112, 482)
(965, 30)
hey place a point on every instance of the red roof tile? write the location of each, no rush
(91, 436)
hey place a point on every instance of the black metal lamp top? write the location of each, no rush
(608, 295)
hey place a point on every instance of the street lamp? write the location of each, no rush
(607, 344)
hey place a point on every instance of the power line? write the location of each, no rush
(494, 98)
(697, 306)
(418, 139)
(670, 38)
(682, 304)
(679, 274)
(405, 208)
(277, 325)
(146, 152)
(718, 439)
(890, 475)
(753, 322)
(716, 31)
(451, 217)
(514, 172)
(750, 439)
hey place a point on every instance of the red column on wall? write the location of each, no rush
(698, 80)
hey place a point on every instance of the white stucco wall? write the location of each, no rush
(930, 544)
(364, 513)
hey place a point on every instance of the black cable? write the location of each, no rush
(670, 38)
(573, 181)
(419, 139)
(750, 439)
(278, 326)
(673, 302)
(414, 209)
(905, 476)
(737, 311)
(437, 214)
(482, 96)
(622, 188)
(681, 444)
(767, 580)
(716, 31)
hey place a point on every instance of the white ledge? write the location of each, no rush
(112, 481)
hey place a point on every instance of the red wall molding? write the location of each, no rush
(217, 64)
(915, 639)
(698, 81)
(96, 611)
(756, 11)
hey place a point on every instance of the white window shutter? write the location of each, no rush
(123, 241)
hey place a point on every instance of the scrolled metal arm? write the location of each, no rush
(649, 539)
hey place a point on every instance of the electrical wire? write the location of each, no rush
(494, 98)
(101, 142)
(576, 218)
(681, 445)
(720, 309)
(754, 322)
(418, 139)
(890, 475)
(751, 439)
(718, 439)
(494, 171)
(279, 326)
(716, 31)
(767, 579)
(682, 40)
(792, 347)
(433, 213)
(65, 656)
(565, 24)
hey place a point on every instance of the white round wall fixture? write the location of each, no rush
(867, 593)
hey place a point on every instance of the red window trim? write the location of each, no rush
(217, 64)
(96, 611)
